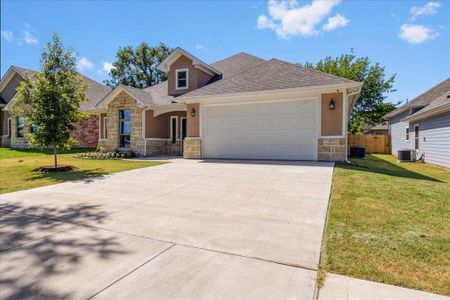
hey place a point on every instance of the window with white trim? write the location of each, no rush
(182, 77)
(20, 126)
(9, 127)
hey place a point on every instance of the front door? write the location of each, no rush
(183, 132)
(416, 137)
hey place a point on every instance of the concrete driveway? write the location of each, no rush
(188, 229)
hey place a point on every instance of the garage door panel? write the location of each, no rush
(272, 130)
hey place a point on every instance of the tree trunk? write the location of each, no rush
(55, 157)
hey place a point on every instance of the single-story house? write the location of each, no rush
(423, 124)
(377, 129)
(13, 126)
(241, 107)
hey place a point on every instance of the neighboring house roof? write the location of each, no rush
(267, 76)
(379, 126)
(423, 99)
(2, 102)
(439, 105)
(94, 93)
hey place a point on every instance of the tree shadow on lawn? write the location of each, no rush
(377, 165)
(39, 254)
(86, 176)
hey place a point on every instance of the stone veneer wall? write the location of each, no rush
(331, 149)
(162, 147)
(86, 132)
(192, 148)
(123, 101)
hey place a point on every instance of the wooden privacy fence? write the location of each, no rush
(373, 143)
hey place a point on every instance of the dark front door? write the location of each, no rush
(416, 137)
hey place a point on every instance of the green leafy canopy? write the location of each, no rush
(50, 99)
(138, 67)
(371, 106)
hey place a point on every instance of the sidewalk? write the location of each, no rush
(342, 287)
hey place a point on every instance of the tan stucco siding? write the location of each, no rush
(193, 123)
(331, 119)
(159, 127)
(196, 77)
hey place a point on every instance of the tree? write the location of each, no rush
(371, 106)
(50, 100)
(138, 67)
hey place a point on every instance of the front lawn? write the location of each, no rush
(390, 222)
(16, 168)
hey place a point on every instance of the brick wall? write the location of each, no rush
(86, 132)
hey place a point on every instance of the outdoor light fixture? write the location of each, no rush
(332, 104)
(193, 112)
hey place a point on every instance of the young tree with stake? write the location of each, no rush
(50, 100)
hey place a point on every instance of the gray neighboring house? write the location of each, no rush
(423, 124)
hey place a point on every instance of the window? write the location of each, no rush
(182, 79)
(173, 129)
(33, 128)
(407, 134)
(124, 128)
(103, 128)
(20, 125)
(9, 127)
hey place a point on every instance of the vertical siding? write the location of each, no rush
(397, 131)
(434, 139)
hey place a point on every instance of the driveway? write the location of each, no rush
(187, 229)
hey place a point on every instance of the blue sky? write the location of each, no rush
(410, 38)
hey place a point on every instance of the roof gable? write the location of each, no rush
(164, 66)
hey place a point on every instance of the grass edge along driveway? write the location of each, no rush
(389, 222)
(16, 168)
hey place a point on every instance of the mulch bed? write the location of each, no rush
(47, 169)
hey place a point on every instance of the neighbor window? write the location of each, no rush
(407, 134)
(182, 79)
(124, 128)
(9, 128)
(20, 124)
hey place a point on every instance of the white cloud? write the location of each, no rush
(7, 35)
(85, 64)
(288, 19)
(201, 47)
(430, 8)
(416, 34)
(28, 37)
(107, 66)
(335, 22)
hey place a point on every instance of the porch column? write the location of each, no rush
(193, 143)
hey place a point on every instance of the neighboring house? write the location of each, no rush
(423, 124)
(241, 107)
(378, 129)
(13, 127)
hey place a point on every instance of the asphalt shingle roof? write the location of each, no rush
(269, 75)
(424, 98)
(236, 64)
(94, 94)
(441, 101)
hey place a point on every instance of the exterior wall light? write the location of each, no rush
(193, 112)
(332, 104)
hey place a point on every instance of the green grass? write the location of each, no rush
(16, 168)
(390, 222)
